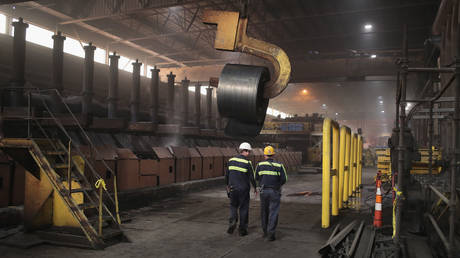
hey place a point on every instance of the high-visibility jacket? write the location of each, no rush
(271, 174)
(240, 173)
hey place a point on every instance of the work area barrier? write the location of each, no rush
(342, 170)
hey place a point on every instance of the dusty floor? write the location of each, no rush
(195, 225)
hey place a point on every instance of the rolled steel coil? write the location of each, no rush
(240, 98)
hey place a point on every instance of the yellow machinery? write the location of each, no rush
(418, 167)
(384, 163)
(60, 202)
(422, 167)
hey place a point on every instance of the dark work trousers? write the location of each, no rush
(270, 207)
(239, 199)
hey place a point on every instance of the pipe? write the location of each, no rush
(184, 104)
(154, 87)
(112, 100)
(456, 157)
(135, 91)
(197, 104)
(209, 107)
(171, 78)
(402, 125)
(88, 79)
(19, 62)
(335, 168)
(346, 168)
(58, 61)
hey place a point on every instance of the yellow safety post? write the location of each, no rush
(335, 168)
(100, 184)
(343, 136)
(350, 167)
(360, 165)
(325, 220)
(355, 148)
(346, 181)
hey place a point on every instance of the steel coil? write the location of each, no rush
(240, 98)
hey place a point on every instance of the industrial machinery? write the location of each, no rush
(244, 91)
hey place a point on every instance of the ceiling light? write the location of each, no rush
(323, 105)
(368, 27)
(336, 114)
(380, 102)
(304, 92)
(373, 56)
(383, 111)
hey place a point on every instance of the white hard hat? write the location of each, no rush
(245, 146)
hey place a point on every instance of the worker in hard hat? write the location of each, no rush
(239, 177)
(270, 175)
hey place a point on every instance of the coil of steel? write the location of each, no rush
(240, 98)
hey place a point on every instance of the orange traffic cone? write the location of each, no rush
(378, 205)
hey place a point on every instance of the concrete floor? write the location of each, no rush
(195, 225)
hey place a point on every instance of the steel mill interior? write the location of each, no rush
(229, 128)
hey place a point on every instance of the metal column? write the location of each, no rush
(88, 79)
(171, 78)
(402, 128)
(456, 157)
(112, 105)
(19, 61)
(135, 91)
(184, 103)
(58, 61)
(209, 123)
(198, 104)
(154, 86)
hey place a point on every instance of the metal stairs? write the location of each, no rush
(72, 177)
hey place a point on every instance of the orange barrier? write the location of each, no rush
(378, 205)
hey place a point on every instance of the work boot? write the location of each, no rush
(231, 228)
(243, 232)
(271, 237)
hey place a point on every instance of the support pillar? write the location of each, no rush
(198, 105)
(154, 87)
(184, 103)
(135, 91)
(88, 79)
(209, 119)
(58, 61)
(170, 112)
(112, 99)
(19, 61)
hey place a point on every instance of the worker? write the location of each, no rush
(270, 175)
(239, 177)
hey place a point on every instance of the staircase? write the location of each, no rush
(72, 177)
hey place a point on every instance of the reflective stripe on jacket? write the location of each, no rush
(240, 173)
(271, 174)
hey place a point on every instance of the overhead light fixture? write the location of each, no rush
(383, 111)
(336, 114)
(381, 102)
(304, 92)
(368, 27)
(373, 56)
(324, 105)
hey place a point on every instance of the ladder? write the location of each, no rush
(70, 180)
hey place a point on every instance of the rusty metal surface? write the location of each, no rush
(109, 124)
